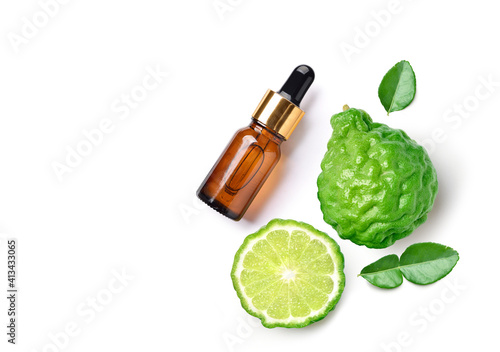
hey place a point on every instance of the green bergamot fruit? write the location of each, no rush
(288, 274)
(377, 185)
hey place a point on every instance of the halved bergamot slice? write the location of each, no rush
(288, 274)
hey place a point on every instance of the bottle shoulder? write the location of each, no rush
(259, 133)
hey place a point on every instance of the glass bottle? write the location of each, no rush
(254, 151)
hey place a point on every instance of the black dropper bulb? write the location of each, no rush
(297, 84)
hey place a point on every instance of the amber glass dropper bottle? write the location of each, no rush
(254, 151)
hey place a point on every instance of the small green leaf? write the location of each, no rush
(384, 273)
(421, 263)
(428, 262)
(398, 87)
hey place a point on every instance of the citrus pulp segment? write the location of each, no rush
(288, 274)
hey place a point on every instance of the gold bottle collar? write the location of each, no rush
(278, 113)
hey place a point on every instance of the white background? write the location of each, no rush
(129, 205)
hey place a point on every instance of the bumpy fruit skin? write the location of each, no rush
(377, 184)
